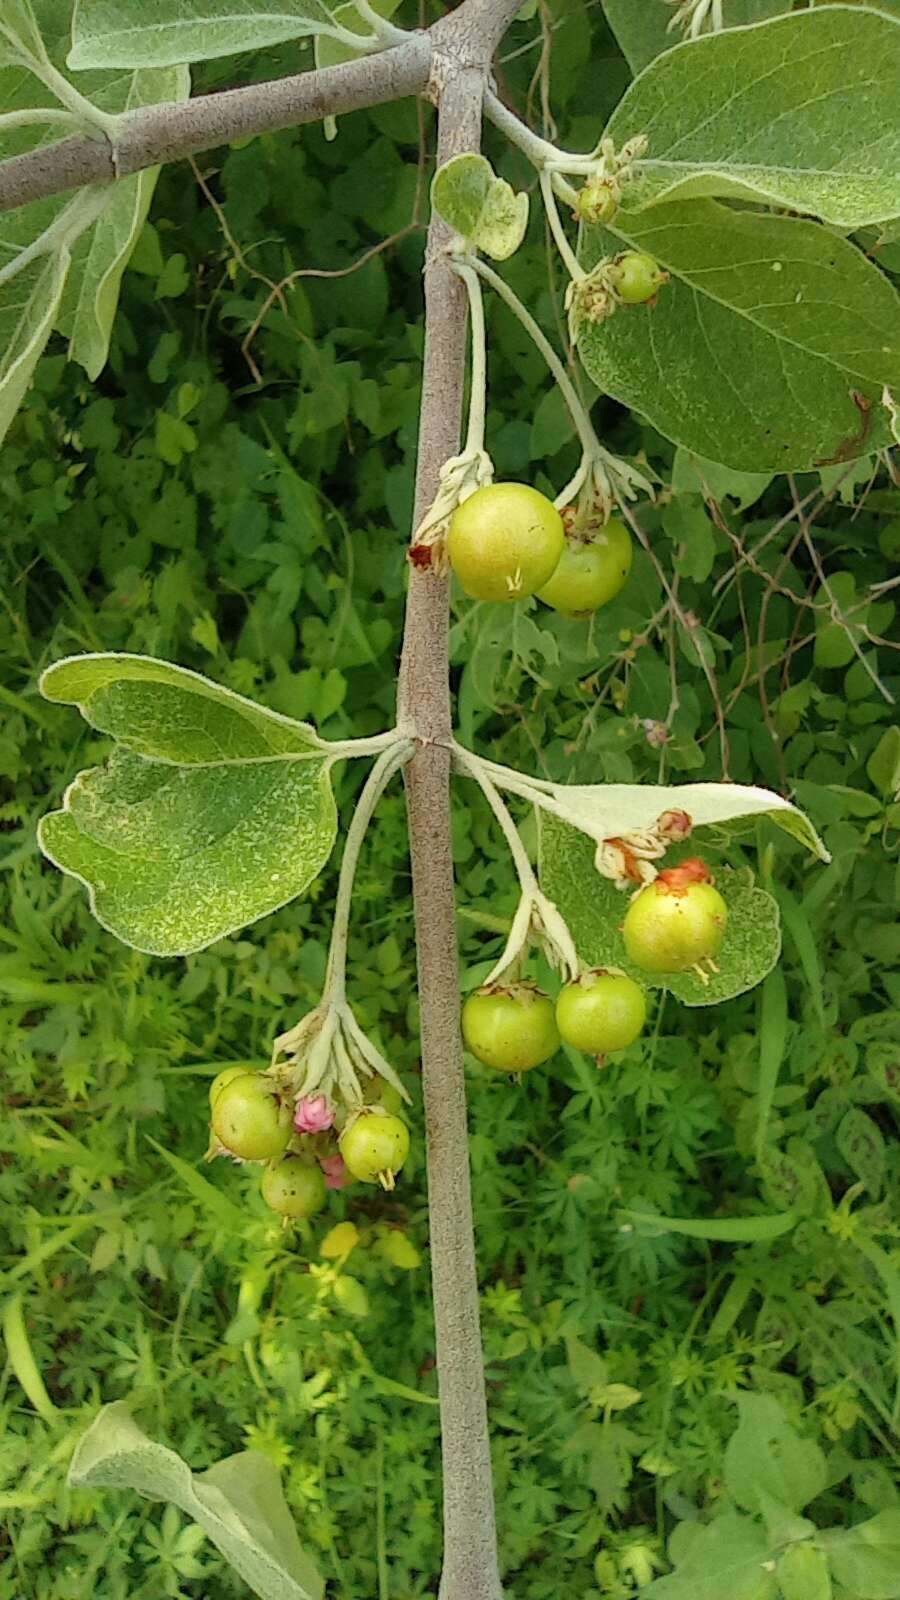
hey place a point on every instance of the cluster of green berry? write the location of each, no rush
(674, 924)
(253, 1119)
(508, 541)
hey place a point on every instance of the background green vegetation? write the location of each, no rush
(235, 494)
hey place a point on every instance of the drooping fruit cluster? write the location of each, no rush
(677, 922)
(254, 1119)
(507, 541)
(515, 1027)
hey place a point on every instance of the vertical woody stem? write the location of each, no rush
(464, 44)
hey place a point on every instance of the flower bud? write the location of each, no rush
(336, 1174)
(674, 825)
(313, 1114)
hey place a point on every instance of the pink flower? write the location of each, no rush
(336, 1176)
(313, 1114)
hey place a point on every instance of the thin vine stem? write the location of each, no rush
(473, 767)
(348, 749)
(589, 441)
(474, 444)
(570, 260)
(506, 777)
(389, 762)
(54, 115)
(385, 31)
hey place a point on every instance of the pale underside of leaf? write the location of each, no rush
(769, 349)
(483, 209)
(172, 714)
(799, 111)
(608, 810)
(176, 857)
(126, 33)
(101, 256)
(239, 1503)
(594, 908)
(28, 308)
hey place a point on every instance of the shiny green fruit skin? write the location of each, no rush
(667, 932)
(294, 1188)
(590, 575)
(374, 1146)
(600, 1012)
(636, 277)
(227, 1075)
(511, 1030)
(504, 542)
(249, 1121)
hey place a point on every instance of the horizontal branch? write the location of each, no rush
(170, 131)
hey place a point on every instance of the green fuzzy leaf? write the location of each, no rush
(768, 350)
(482, 208)
(172, 714)
(129, 33)
(803, 1573)
(866, 1559)
(796, 112)
(593, 908)
(767, 1456)
(211, 813)
(239, 1503)
(644, 29)
(729, 1556)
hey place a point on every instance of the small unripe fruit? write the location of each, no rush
(601, 1011)
(677, 922)
(249, 1119)
(636, 277)
(590, 572)
(294, 1188)
(227, 1075)
(504, 542)
(598, 200)
(374, 1147)
(511, 1029)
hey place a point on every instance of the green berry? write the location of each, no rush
(636, 277)
(504, 541)
(294, 1188)
(249, 1119)
(511, 1029)
(601, 1011)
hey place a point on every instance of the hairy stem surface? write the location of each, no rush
(465, 43)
